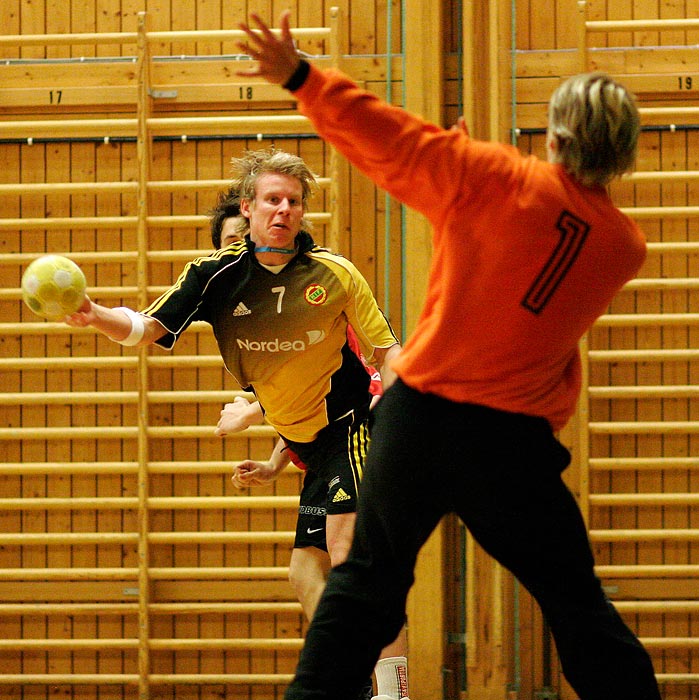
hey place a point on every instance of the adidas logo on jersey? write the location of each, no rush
(241, 310)
(341, 495)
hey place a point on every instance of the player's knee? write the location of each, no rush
(302, 579)
(339, 552)
(339, 535)
(298, 576)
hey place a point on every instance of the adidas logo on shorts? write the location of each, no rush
(341, 495)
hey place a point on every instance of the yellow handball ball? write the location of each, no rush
(53, 287)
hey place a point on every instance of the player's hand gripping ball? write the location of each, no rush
(53, 287)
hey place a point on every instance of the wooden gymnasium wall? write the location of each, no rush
(129, 566)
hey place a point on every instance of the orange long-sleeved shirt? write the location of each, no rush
(524, 257)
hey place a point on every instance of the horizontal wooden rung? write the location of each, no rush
(156, 503)
(70, 574)
(660, 175)
(647, 319)
(25, 539)
(662, 284)
(652, 463)
(52, 128)
(221, 679)
(76, 39)
(644, 427)
(252, 608)
(678, 247)
(187, 608)
(647, 570)
(271, 125)
(67, 644)
(661, 607)
(51, 679)
(156, 573)
(211, 537)
(669, 113)
(221, 502)
(62, 468)
(77, 503)
(19, 680)
(229, 34)
(685, 391)
(127, 467)
(650, 355)
(638, 25)
(35, 609)
(43, 188)
(107, 361)
(677, 678)
(644, 535)
(670, 642)
(668, 212)
(644, 499)
(271, 644)
(102, 38)
(70, 398)
(126, 433)
(212, 573)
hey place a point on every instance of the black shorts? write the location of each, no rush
(310, 525)
(335, 465)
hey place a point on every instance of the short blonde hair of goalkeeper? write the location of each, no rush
(593, 128)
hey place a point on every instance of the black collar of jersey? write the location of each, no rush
(303, 243)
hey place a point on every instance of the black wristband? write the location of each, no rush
(298, 78)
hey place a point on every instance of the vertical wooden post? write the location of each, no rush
(582, 420)
(338, 166)
(143, 154)
(469, 113)
(575, 436)
(493, 70)
(423, 92)
(582, 36)
(489, 598)
(467, 61)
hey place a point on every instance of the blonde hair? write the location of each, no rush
(595, 123)
(247, 169)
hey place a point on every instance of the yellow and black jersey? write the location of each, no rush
(284, 335)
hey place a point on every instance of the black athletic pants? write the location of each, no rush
(500, 473)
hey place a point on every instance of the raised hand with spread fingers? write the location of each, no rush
(277, 58)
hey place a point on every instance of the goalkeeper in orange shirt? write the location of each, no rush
(527, 254)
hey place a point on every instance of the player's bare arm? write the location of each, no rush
(383, 358)
(250, 473)
(119, 324)
(238, 415)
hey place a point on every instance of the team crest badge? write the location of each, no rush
(316, 294)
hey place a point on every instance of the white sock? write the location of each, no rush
(392, 677)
